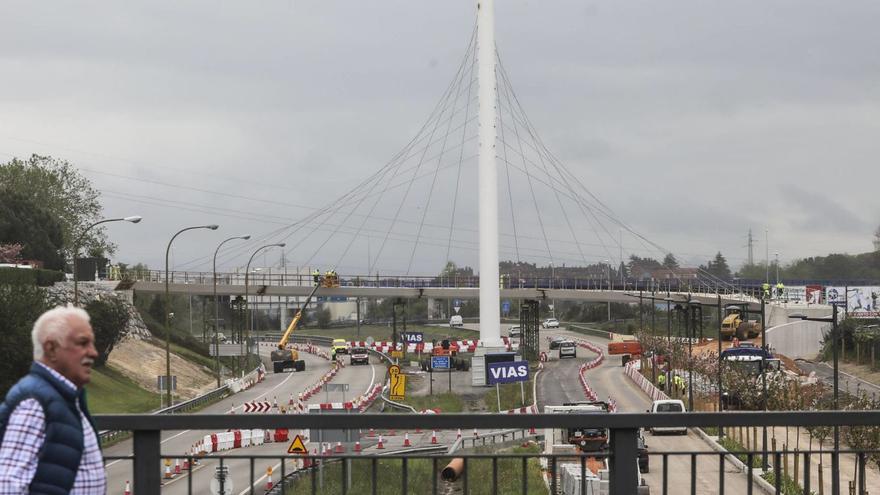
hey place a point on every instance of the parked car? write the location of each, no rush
(554, 344)
(668, 406)
(514, 331)
(359, 355)
(550, 323)
(456, 321)
(567, 349)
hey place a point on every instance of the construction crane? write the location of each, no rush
(284, 359)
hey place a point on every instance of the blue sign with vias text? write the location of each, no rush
(413, 337)
(508, 372)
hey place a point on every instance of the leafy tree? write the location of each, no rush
(636, 262)
(718, 267)
(669, 261)
(22, 305)
(67, 195)
(25, 221)
(109, 318)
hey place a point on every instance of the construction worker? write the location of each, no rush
(661, 381)
(766, 288)
(679, 384)
(780, 290)
(316, 275)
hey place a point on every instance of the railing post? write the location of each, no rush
(146, 461)
(624, 455)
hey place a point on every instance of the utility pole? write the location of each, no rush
(767, 255)
(751, 248)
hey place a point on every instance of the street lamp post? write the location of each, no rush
(132, 219)
(247, 303)
(168, 308)
(777, 271)
(835, 457)
(217, 305)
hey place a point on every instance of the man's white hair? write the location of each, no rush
(54, 325)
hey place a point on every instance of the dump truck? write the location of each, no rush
(736, 323)
(284, 358)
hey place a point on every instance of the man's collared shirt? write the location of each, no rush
(24, 438)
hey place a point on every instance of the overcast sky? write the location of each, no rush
(693, 121)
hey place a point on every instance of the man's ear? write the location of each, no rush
(49, 348)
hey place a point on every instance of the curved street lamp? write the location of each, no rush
(168, 308)
(216, 304)
(247, 274)
(132, 219)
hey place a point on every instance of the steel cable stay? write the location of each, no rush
(439, 161)
(507, 89)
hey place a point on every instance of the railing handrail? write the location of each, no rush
(487, 421)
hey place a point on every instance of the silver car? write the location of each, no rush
(567, 349)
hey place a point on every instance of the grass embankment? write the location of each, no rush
(111, 392)
(446, 402)
(511, 396)
(420, 475)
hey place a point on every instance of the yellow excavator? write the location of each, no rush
(284, 359)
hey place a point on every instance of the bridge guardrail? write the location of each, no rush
(743, 287)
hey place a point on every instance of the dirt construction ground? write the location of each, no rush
(142, 362)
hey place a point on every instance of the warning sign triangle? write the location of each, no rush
(297, 446)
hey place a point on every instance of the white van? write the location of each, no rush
(456, 321)
(668, 406)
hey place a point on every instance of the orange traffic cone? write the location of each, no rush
(433, 436)
(268, 478)
(357, 446)
(127, 488)
(372, 433)
(406, 440)
(476, 435)
(176, 466)
(186, 462)
(458, 435)
(380, 445)
(339, 448)
(532, 431)
(232, 409)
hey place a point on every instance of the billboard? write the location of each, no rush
(861, 302)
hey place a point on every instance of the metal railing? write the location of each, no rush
(623, 445)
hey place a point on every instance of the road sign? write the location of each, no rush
(508, 372)
(161, 379)
(440, 362)
(398, 383)
(505, 306)
(297, 446)
(397, 354)
(257, 406)
(413, 337)
(456, 305)
(226, 349)
(336, 387)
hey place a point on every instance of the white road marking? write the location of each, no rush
(187, 431)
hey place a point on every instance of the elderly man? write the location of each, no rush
(49, 443)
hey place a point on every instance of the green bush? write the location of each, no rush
(27, 276)
(22, 305)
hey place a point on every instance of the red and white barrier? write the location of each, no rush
(643, 383)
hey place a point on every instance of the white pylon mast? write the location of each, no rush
(490, 294)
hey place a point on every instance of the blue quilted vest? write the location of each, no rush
(62, 451)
